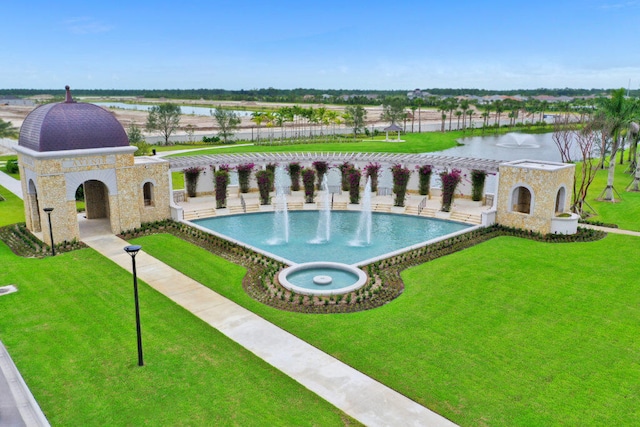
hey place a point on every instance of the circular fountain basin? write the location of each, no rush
(322, 278)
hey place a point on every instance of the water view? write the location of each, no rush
(507, 147)
(390, 232)
(186, 109)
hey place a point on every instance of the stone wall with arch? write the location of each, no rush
(545, 182)
(113, 182)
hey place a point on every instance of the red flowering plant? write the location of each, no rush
(191, 176)
(400, 180)
(308, 180)
(450, 181)
(321, 168)
(345, 168)
(244, 173)
(294, 172)
(371, 171)
(424, 176)
(271, 167)
(264, 185)
(221, 181)
(354, 185)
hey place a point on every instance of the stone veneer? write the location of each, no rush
(544, 180)
(114, 189)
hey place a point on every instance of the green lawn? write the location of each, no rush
(71, 331)
(177, 180)
(509, 332)
(3, 163)
(11, 209)
(626, 212)
(414, 143)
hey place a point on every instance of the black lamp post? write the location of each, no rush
(48, 211)
(133, 251)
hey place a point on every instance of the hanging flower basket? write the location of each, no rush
(354, 185)
(400, 180)
(372, 170)
(450, 181)
(477, 184)
(321, 168)
(424, 174)
(345, 168)
(191, 176)
(244, 173)
(294, 172)
(308, 180)
(264, 185)
(221, 180)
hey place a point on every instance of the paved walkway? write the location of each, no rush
(17, 406)
(11, 184)
(363, 398)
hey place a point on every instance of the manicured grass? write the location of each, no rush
(3, 162)
(509, 332)
(175, 147)
(11, 209)
(414, 143)
(625, 212)
(71, 331)
(177, 180)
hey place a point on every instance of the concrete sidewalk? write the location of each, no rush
(363, 398)
(11, 184)
(18, 407)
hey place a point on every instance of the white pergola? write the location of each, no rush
(385, 159)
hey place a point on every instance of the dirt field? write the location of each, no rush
(206, 124)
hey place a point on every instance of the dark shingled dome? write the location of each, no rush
(71, 125)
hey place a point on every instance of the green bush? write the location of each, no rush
(12, 166)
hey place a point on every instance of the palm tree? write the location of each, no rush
(499, 108)
(618, 112)
(258, 117)
(458, 115)
(319, 116)
(470, 113)
(7, 130)
(443, 107)
(419, 102)
(413, 108)
(464, 106)
(452, 105)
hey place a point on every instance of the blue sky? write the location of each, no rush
(328, 44)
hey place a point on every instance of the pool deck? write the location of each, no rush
(463, 209)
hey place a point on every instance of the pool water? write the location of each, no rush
(390, 232)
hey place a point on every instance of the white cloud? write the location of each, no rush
(86, 25)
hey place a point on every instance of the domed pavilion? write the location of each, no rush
(67, 145)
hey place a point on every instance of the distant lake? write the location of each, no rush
(186, 109)
(510, 146)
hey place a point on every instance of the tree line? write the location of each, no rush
(302, 95)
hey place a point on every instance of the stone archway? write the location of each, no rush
(97, 215)
(33, 207)
(96, 199)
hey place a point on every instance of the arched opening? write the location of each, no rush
(560, 199)
(147, 193)
(96, 216)
(34, 207)
(521, 200)
(96, 199)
